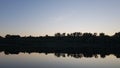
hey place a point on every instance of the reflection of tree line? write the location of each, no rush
(79, 55)
(64, 52)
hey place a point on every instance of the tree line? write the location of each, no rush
(76, 37)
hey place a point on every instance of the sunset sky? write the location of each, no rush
(41, 17)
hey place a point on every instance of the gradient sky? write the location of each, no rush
(40, 17)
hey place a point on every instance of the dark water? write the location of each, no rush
(41, 60)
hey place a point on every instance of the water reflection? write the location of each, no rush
(64, 52)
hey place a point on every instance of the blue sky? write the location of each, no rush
(40, 17)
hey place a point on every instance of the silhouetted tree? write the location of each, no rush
(7, 36)
(63, 34)
(68, 35)
(57, 35)
(46, 36)
(1, 37)
(87, 34)
(77, 34)
(12, 36)
(117, 35)
(101, 34)
(95, 34)
(74, 34)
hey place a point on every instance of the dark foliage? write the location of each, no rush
(63, 51)
(63, 38)
(75, 44)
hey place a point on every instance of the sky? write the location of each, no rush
(41, 17)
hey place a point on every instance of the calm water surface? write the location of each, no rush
(41, 60)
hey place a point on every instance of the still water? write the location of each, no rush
(41, 60)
